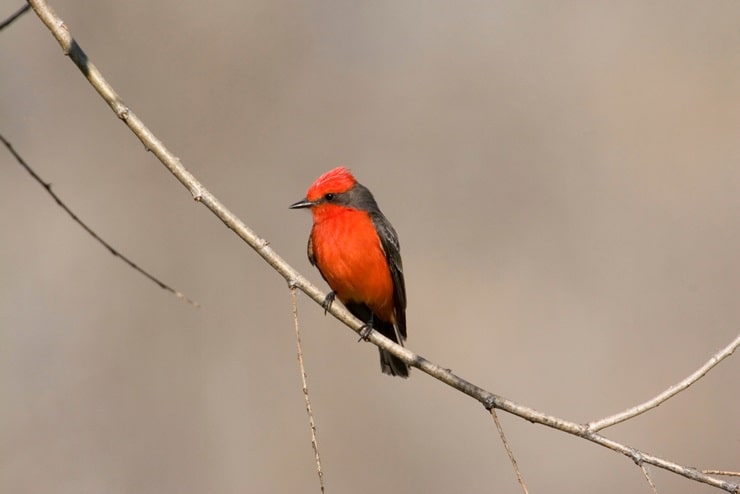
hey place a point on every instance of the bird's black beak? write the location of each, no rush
(303, 203)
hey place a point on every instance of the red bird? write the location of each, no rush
(356, 251)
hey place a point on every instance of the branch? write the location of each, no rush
(7, 22)
(722, 472)
(46, 185)
(509, 452)
(668, 393)
(649, 479)
(295, 279)
(304, 381)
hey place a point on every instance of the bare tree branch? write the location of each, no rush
(722, 472)
(7, 22)
(91, 232)
(295, 279)
(668, 393)
(509, 452)
(304, 381)
(648, 478)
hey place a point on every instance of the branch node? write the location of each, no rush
(637, 457)
(123, 112)
(490, 403)
(584, 430)
(197, 193)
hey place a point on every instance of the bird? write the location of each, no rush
(357, 252)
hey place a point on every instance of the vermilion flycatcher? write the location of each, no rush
(356, 250)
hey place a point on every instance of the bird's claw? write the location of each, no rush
(326, 304)
(365, 331)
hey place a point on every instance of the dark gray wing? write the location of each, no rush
(391, 247)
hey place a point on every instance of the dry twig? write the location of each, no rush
(91, 232)
(645, 472)
(668, 393)
(7, 22)
(509, 452)
(304, 381)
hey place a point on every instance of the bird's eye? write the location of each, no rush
(329, 196)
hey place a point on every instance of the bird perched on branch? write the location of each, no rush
(356, 250)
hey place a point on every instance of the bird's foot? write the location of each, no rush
(326, 304)
(365, 331)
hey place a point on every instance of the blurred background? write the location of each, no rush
(564, 180)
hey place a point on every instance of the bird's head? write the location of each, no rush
(329, 189)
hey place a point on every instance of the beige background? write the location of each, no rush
(564, 180)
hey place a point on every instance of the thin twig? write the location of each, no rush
(90, 231)
(295, 279)
(722, 472)
(304, 381)
(668, 393)
(509, 452)
(7, 22)
(645, 472)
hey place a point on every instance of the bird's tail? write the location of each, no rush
(390, 364)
